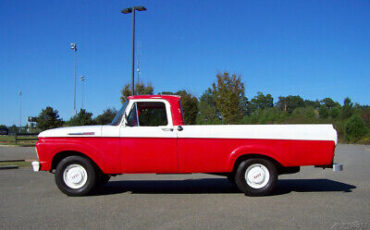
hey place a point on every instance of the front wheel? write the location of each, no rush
(75, 176)
(256, 177)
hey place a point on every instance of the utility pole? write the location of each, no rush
(133, 53)
(74, 47)
(82, 78)
(20, 109)
(138, 63)
(127, 11)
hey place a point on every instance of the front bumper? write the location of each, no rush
(36, 166)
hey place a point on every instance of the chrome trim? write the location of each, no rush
(337, 167)
(84, 133)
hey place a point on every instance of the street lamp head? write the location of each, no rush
(140, 8)
(129, 10)
(126, 11)
(74, 46)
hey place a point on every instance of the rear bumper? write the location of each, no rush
(335, 166)
(36, 166)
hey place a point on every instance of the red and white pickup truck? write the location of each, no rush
(148, 135)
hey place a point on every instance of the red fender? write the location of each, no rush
(53, 147)
(252, 149)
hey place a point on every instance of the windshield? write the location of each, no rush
(117, 119)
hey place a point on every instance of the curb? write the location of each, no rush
(20, 160)
(20, 145)
(9, 167)
(8, 145)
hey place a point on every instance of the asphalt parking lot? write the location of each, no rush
(17, 153)
(311, 199)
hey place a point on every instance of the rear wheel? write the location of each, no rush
(75, 176)
(256, 177)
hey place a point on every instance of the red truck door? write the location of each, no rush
(148, 141)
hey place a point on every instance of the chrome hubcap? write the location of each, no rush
(75, 176)
(257, 176)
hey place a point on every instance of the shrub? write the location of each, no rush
(303, 115)
(334, 112)
(355, 128)
(324, 112)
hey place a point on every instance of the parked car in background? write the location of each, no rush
(4, 131)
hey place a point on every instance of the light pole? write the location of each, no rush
(127, 11)
(82, 78)
(74, 47)
(138, 64)
(20, 109)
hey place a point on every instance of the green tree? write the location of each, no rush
(261, 101)
(302, 115)
(48, 119)
(140, 89)
(290, 103)
(365, 115)
(347, 109)
(355, 128)
(167, 93)
(189, 104)
(229, 96)
(324, 112)
(81, 118)
(329, 103)
(106, 117)
(269, 116)
(334, 112)
(309, 103)
(208, 112)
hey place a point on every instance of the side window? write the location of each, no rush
(132, 117)
(152, 114)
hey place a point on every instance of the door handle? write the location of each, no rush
(167, 129)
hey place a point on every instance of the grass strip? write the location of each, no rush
(20, 164)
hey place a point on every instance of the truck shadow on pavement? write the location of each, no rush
(311, 185)
(216, 186)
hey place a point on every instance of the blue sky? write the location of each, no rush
(314, 49)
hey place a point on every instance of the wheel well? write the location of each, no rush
(279, 167)
(60, 156)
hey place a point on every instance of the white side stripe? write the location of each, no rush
(278, 132)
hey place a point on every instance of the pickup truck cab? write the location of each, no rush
(148, 135)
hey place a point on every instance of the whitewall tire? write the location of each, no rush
(76, 176)
(256, 176)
